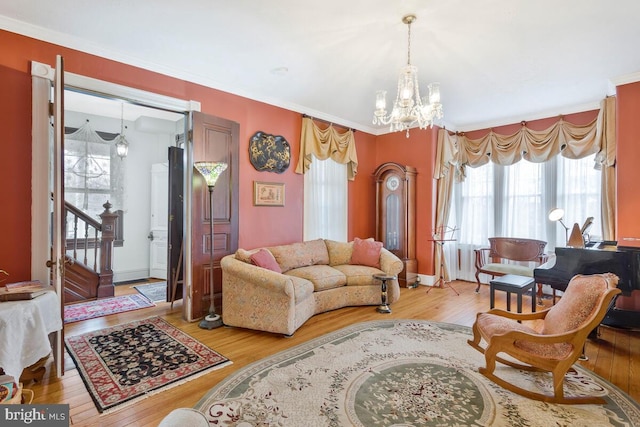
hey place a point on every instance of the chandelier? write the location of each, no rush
(122, 145)
(408, 109)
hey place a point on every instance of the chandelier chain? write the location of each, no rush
(409, 46)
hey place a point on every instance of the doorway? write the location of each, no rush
(133, 184)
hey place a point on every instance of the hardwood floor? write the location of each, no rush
(615, 355)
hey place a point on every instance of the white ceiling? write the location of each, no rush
(497, 61)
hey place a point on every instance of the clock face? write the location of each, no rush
(393, 183)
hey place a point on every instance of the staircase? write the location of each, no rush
(88, 255)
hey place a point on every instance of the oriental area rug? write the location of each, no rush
(156, 292)
(104, 307)
(125, 363)
(400, 373)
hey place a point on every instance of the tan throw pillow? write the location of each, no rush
(366, 252)
(263, 258)
(339, 252)
(245, 255)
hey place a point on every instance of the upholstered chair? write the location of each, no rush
(553, 343)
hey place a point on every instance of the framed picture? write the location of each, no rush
(268, 193)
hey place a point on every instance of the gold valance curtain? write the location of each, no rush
(564, 138)
(324, 144)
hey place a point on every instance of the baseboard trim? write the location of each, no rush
(130, 275)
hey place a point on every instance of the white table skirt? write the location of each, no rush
(24, 331)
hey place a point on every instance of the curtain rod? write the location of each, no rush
(328, 122)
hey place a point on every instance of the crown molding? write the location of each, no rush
(626, 79)
(560, 111)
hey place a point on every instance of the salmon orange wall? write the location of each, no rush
(627, 161)
(362, 190)
(259, 226)
(418, 151)
(15, 173)
(256, 223)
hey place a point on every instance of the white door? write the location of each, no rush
(159, 221)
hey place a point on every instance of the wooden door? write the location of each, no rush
(214, 139)
(175, 227)
(58, 244)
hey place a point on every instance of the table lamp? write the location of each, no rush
(556, 214)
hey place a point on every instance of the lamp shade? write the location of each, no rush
(210, 171)
(556, 214)
(122, 147)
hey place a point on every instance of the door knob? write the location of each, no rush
(50, 263)
(150, 236)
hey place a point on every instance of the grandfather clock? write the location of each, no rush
(396, 217)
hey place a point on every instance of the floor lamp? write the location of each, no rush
(211, 171)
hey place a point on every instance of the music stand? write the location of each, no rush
(440, 237)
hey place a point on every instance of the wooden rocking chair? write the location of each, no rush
(558, 344)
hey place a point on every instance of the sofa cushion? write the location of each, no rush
(301, 254)
(322, 276)
(263, 258)
(366, 252)
(339, 252)
(359, 275)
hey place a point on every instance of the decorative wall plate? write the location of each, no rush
(269, 153)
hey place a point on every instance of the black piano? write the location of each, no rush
(622, 261)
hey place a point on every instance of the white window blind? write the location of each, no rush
(514, 201)
(325, 201)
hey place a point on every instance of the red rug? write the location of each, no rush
(128, 362)
(104, 307)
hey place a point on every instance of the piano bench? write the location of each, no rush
(512, 283)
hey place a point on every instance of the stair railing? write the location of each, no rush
(90, 241)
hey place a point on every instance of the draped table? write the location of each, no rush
(24, 331)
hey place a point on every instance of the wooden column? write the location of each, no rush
(105, 282)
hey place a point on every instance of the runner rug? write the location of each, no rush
(156, 292)
(125, 363)
(104, 307)
(400, 373)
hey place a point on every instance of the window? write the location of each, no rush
(92, 175)
(325, 201)
(513, 201)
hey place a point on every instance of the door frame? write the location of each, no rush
(40, 221)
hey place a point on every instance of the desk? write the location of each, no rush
(24, 331)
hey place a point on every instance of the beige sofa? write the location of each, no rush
(317, 276)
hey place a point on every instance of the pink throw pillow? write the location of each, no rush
(263, 258)
(366, 252)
